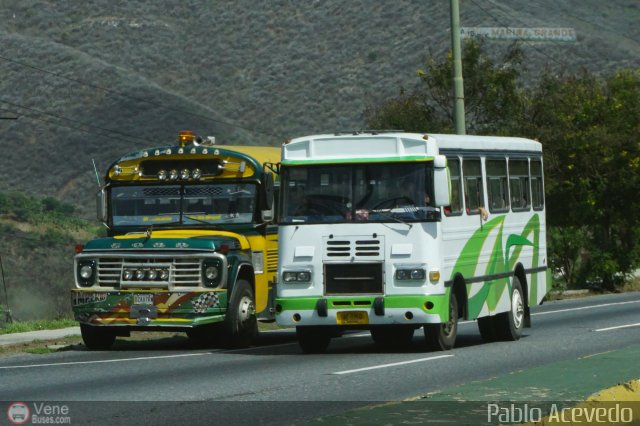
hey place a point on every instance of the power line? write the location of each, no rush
(72, 127)
(60, 117)
(158, 104)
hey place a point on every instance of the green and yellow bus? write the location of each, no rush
(190, 245)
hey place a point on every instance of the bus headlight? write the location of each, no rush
(211, 273)
(414, 274)
(196, 174)
(296, 276)
(173, 174)
(162, 175)
(86, 273)
(184, 174)
(164, 275)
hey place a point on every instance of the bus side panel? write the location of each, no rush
(484, 254)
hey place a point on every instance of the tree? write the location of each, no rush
(492, 98)
(589, 129)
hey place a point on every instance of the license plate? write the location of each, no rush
(143, 299)
(352, 317)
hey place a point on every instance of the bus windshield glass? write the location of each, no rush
(217, 204)
(385, 192)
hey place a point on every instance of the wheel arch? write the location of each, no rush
(459, 289)
(245, 272)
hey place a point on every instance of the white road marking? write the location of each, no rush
(375, 367)
(585, 307)
(618, 326)
(102, 361)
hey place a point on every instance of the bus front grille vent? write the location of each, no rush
(353, 278)
(366, 248)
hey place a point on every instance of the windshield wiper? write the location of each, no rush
(392, 217)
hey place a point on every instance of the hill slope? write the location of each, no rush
(107, 78)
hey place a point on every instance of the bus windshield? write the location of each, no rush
(211, 204)
(388, 192)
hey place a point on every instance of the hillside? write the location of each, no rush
(37, 239)
(98, 79)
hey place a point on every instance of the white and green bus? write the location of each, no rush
(392, 232)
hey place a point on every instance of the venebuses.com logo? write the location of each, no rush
(18, 413)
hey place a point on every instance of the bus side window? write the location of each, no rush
(456, 188)
(473, 194)
(519, 184)
(537, 188)
(497, 184)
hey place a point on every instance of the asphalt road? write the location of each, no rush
(274, 383)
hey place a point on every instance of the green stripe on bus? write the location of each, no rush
(411, 158)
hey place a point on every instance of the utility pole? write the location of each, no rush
(458, 86)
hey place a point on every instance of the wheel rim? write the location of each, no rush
(246, 309)
(517, 308)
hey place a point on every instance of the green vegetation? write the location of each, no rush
(40, 351)
(588, 126)
(24, 326)
(37, 239)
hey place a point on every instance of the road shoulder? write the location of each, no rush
(608, 376)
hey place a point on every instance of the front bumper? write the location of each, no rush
(380, 310)
(152, 309)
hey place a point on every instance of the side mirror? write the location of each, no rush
(266, 197)
(267, 215)
(266, 192)
(441, 181)
(101, 205)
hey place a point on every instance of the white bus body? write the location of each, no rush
(395, 231)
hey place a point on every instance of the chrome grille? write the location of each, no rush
(183, 272)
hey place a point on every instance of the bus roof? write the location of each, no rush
(485, 143)
(394, 146)
(263, 154)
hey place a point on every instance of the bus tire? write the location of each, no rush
(240, 325)
(392, 336)
(313, 340)
(509, 324)
(97, 338)
(442, 337)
